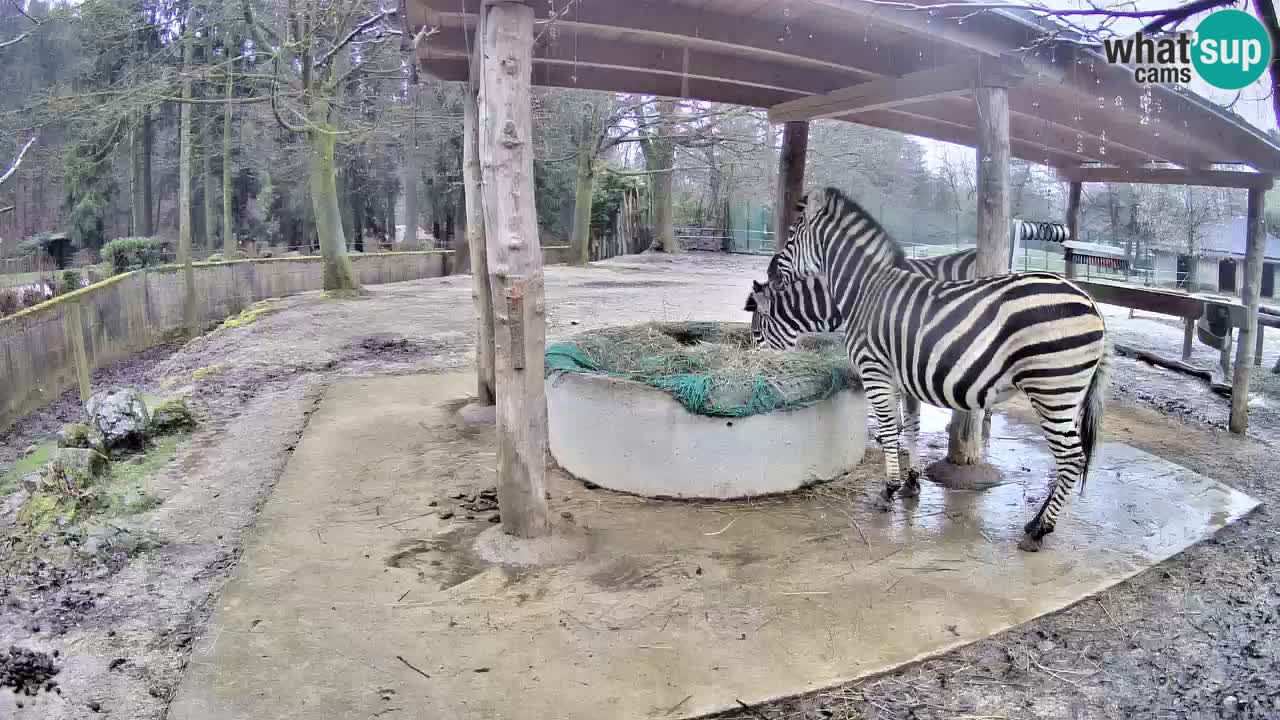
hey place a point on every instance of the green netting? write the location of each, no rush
(710, 368)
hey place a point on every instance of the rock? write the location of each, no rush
(31, 481)
(11, 504)
(120, 416)
(74, 470)
(172, 416)
(30, 449)
(78, 435)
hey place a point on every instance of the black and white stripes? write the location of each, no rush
(962, 345)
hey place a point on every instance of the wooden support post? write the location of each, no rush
(73, 326)
(1188, 336)
(1257, 348)
(791, 162)
(1073, 224)
(481, 296)
(515, 265)
(965, 430)
(1255, 240)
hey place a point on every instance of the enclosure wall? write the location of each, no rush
(134, 311)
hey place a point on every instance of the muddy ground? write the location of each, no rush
(1194, 637)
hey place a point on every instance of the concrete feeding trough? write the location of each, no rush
(628, 435)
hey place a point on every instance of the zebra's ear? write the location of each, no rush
(760, 301)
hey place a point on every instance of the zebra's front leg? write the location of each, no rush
(883, 396)
(910, 438)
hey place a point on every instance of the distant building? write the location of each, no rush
(1221, 261)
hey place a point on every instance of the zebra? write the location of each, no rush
(966, 345)
(778, 321)
(806, 307)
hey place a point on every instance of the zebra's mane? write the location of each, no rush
(841, 204)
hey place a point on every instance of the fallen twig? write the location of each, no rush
(414, 517)
(411, 667)
(675, 707)
(726, 527)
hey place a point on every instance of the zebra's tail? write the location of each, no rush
(1093, 410)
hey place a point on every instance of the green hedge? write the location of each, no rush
(132, 253)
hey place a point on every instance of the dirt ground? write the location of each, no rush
(1194, 637)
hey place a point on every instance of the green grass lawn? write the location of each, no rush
(26, 464)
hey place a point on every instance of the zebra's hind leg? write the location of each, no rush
(910, 437)
(883, 396)
(1060, 425)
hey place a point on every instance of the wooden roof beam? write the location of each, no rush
(760, 35)
(1168, 176)
(892, 91)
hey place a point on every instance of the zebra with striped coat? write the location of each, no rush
(962, 345)
(779, 319)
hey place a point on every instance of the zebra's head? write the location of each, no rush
(829, 215)
(764, 326)
(781, 314)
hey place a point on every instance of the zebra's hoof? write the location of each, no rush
(1030, 544)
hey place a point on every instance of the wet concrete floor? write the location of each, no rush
(357, 599)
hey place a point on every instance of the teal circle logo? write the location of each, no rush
(1232, 49)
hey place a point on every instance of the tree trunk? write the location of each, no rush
(184, 184)
(511, 230)
(664, 231)
(210, 187)
(588, 145)
(477, 251)
(659, 154)
(409, 172)
(356, 206)
(230, 247)
(791, 162)
(338, 274)
(140, 167)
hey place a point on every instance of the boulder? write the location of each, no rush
(172, 416)
(120, 416)
(74, 471)
(78, 435)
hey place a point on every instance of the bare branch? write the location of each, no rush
(24, 13)
(356, 31)
(17, 161)
(16, 40)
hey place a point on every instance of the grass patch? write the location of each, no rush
(129, 489)
(204, 372)
(26, 464)
(250, 315)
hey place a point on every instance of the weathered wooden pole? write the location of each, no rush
(965, 430)
(1188, 336)
(791, 162)
(481, 296)
(1073, 224)
(515, 265)
(1254, 242)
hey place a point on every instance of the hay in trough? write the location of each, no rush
(710, 368)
